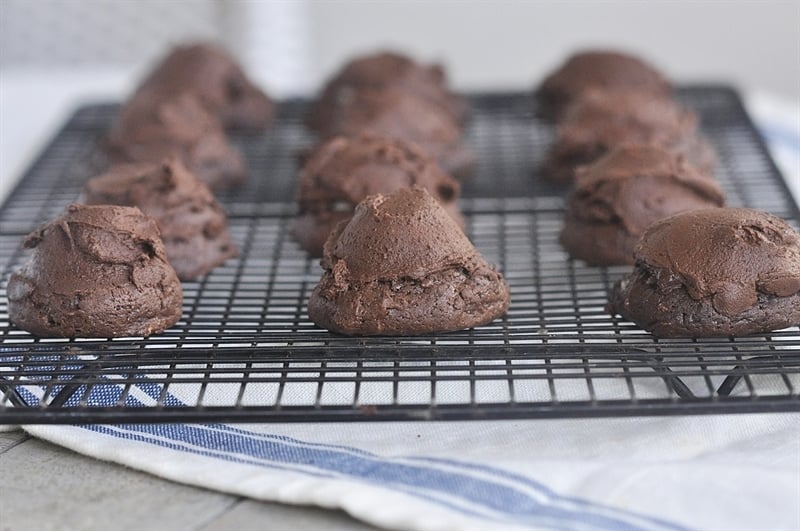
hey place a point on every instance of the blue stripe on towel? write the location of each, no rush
(122, 433)
(111, 395)
(154, 392)
(425, 481)
(524, 480)
(461, 489)
(553, 497)
(354, 462)
(194, 439)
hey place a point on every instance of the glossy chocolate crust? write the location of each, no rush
(192, 223)
(96, 271)
(343, 171)
(209, 72)
(601, 69)
(179, 127)
(714, 272)
(599, 121)
(623, 193)
(382, 71)
(402, 266)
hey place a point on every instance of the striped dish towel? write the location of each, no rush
(717, 472)
(707, 472)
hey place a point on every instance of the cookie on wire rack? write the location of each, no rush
(713, 272)
(402, 266)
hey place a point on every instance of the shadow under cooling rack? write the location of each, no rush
(245, 350)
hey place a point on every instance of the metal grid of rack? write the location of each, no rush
(245, 350)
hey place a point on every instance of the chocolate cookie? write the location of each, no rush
(96, 271)
(596, 69)
(179, 127)
(210, 73)
(716, 272)
(382, 71)
(401, 266)
(403, 116)
(343, 171)
(193, 225)
(598, 121)
(623, 193)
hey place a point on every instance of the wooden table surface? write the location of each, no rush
(46, 487)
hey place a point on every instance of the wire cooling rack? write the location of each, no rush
(245, 350)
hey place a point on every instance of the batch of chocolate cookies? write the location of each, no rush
(643, 194)
(111, 265)
(378, 197)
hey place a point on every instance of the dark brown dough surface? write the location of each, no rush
(96, 271)
(382, 71)
(343, 171)
(192, 223)
(403, 116)
(714, 272)
(209, 72)
(401, 266)
(623, 193)
(599, 121)
(179, 127)
(599, 69)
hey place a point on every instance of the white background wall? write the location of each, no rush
(292, 45)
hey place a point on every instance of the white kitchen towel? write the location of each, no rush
(714, 472)
(736, 472)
